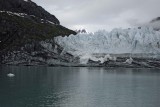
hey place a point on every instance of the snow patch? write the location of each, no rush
(25, 0)
(24, 14)
(50, 22)
(16, 14)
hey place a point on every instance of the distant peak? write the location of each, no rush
(156, 19)
(81, 31)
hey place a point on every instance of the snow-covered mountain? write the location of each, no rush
(119, 41)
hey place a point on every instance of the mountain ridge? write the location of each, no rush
(28, 7)
(23, 26)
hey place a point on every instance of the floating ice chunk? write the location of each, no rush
(129, 61)
(10, 75)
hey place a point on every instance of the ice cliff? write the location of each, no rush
(119, 41)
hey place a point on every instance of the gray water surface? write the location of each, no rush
(79, 87)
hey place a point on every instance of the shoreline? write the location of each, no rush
(119, 63)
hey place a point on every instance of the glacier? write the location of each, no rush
(133, 42)
(118, 41)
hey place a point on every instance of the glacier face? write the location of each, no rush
(118, 41)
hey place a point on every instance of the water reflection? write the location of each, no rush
(79, 87)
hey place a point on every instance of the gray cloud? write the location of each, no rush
(102, 14)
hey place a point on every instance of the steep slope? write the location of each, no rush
(23, 26)
(28, 7)
(155, 23)
(155, 20)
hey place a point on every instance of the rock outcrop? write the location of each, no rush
(28, 7)
(23, 27)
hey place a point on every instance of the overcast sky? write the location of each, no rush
(102, 14)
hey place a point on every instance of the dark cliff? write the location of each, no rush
(23, 26)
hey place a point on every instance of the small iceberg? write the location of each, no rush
(129, 61)
(10, 75)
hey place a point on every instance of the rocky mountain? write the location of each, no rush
(28, 7)
(155, 23)
(81, 31)
(155, 20)
(26, 30)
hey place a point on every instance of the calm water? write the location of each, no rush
(79, 87)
